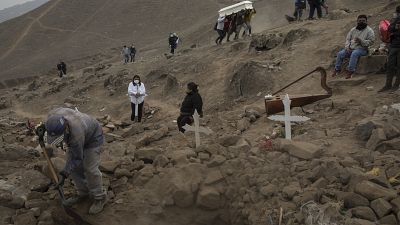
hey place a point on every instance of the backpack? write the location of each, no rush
(215, 26)
(384, 31)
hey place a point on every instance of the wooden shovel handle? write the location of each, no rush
(51, 166)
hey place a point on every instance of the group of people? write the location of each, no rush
(129, 53)
(83, 135)
(229, 24)
(314, 5)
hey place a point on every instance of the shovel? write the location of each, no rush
(68, 210)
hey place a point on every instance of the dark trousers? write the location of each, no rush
(61, 73)
(173, 47)
(393, 68)
(183, 120)
(313, 7)
(221, 36)
(298, 12)
(132, 57)
(140, 111)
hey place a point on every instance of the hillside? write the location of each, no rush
(341, 168)
(18, 10)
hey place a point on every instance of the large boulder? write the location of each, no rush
(381, 207)
(152, 136)
(371, 64)
(352, 200)
(377, 136)
(363, 212)
(301, 150)
(374, 191)
(148, 153)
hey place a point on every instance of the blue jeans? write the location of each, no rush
(354, 57)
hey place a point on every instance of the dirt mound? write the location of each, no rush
(250, 79)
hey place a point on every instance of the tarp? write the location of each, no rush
(235, 8)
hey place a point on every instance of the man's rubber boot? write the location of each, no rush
(75, 200)
(97, 206)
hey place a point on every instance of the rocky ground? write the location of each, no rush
(342, 166)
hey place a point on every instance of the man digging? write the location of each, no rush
(84, 138)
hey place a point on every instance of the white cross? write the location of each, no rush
(196, 128)
(288, 118)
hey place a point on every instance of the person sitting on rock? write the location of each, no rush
(393, 65)
(83, 135)
(137, 93)
(62, 68)
(358, 40)
(192, 102)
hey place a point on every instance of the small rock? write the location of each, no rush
(291, 190)
(147, 153)
(25, 219)
(161, 161)
(217, 160)
(243, 124)
(381, 207)
(377, 136)
(122, 173)
(203, 156)
(108, 166)
(389, 220)
(269, 190)
(363, 212)
(209, 198)
(213, 177)
(364, 129)
(36, 212)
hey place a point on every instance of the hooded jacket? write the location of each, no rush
(85, 133)
(133, 89)
(192, 102)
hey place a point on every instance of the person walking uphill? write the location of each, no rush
(314, 5)
(137, 93)
(173, 42)
(220, 30)
(126, 53)
(132, 51)
(192, 102)
(62, 68)
(84, 138)
(358, 40)
(393, 64)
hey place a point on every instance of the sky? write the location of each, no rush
(9, 3)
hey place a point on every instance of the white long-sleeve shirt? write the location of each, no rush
(133, 89)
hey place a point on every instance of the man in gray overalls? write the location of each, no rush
(84, 137)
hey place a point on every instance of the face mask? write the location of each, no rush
(136, 81)
(361, 26)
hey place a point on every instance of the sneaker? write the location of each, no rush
(384, 89)
(75, 200)
(97, 206)
(349, 75)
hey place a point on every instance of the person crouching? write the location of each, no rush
(192, 102)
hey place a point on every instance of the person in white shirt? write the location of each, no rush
(137, 93)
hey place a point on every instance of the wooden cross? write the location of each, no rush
(197, 128)
(287, 118)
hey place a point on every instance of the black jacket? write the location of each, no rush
(192, 102)
(133, 50)
(172, 40)
(395, 38)
(62, 66)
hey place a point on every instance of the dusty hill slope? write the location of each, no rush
(154, 175)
